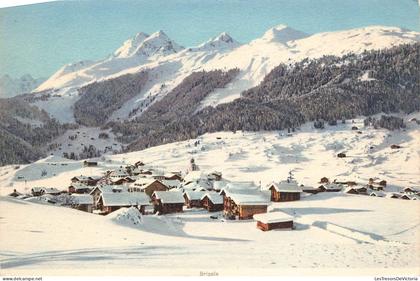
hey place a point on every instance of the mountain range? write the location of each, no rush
(151, 90)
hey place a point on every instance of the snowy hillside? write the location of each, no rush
(169, 63)
(338, 232)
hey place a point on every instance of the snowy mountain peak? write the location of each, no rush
(221, 42)
(130, 46)
(282, 34)
(158, 43)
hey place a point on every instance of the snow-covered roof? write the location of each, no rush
(273, 217)
(377, 193)
(348, 189)
(82, 199)
(51, 190)
(125, 198)
(285, 186)
(214, 197)
(169, 196)
(332, 186)
(391, 195)
(171, 183)
(248, 197)
(194, 195)
(219, 184)
(111, 188)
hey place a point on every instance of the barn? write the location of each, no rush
(166, 202)
(212, 201)
(284, 191)
(82, 202)
(350, 190)
(112, 201)
(85, 180)
(193, 198)
(79, 188)
(275, 220)
(244, 204)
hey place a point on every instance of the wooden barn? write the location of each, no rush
(275, 220)
(212, 201)
(37, 191)
(82, 202)
(244, 205)
(410, 190)
(112, 201)
(377, 194)
(284, 191)
(350, 190)
(310, 189)
(173, 176)
(193, 198)
(166, 202)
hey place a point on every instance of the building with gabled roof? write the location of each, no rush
(274, 220)
(166, 202)
(212, 201)
(193, 198)
(112, 201)
(283, 191)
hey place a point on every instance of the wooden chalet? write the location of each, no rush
(377, 194)
(310, 189)
(173, 176)
(37, 191)
(79, 188)
(89, 163)
(393, 195)
(212, 201)
(82, 202)
(410, 190)
(350, 190)
(193, 198)
(275, 220)
(330, 187)
(120, 181)
(99, 190)
(85, 180)
(152, 186)
(284, 191)
(111, 201)
(243, 204)
(166, 202)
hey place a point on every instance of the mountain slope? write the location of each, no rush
(10, 87)
(169, 64)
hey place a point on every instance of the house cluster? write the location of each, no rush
(153, 191)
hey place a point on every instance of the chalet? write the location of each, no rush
(392, 195)
(361, 189)
(310, 189)
(118, 174)
(146, 172)
(82, 202)
(166, 202)
(377, 194)
(275, 220)
(173, 176)
(212, 201)
(37, 191)
(120, 181)
(52, 191)
(79, 188)
(405, 197)
(171, 183)
(283, 191)
(395, 146)
(99, 190)
(341, 155)
(112, 201)
(243, 204)
(410, 190)
(193, 198)
(88, 163)
(330, 187)
(350, 190)
(152, 186)
(85, 180)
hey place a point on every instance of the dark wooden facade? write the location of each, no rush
(281, 196)
(155, 186)
(192, 203)
(210, 206)
(274, 225)
(166, 208)
(243, 212)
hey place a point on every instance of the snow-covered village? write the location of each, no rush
(210, 139)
